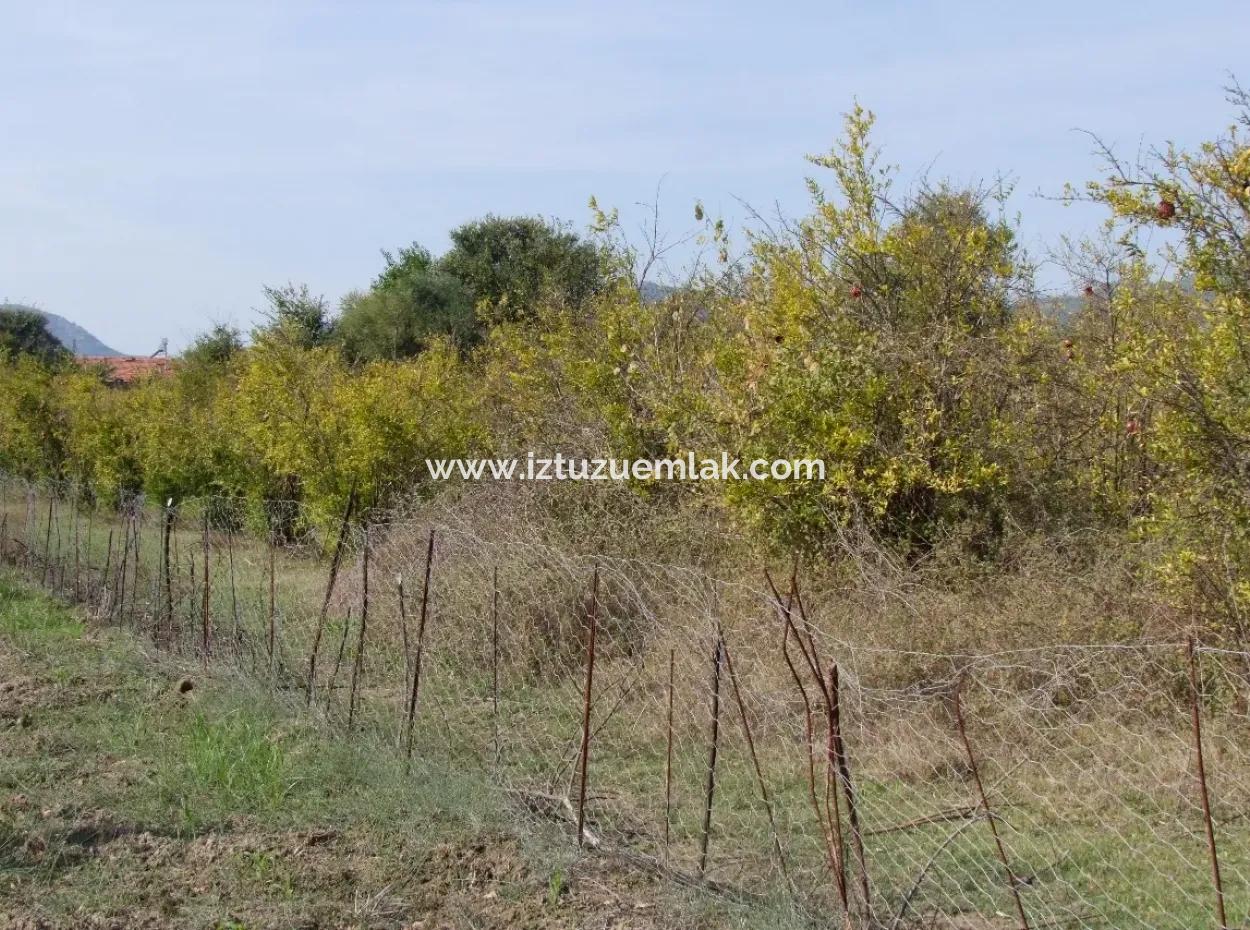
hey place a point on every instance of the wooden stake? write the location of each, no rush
(358, 665)
(234, 593)
(338, 659)
(848, 789)
(416, 662)
(271, 636)
(755, 762)
(206, 615)
(586, 707)
(668, 757)
(709, 790)
(325, 603)
(1204, 794)
(166, 533)
(494, 662)
(104, 575)
(119, 605)
(47, 542)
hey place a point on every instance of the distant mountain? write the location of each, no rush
(67, 333)
(653, 293)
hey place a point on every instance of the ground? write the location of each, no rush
(137, 791)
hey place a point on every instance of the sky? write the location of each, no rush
(161, 162)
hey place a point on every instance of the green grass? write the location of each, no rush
(227, 756)
(114, 743)
(1122, 855)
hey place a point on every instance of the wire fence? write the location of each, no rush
(706, 729)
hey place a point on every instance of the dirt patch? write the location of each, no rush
(312, 879)
(72, 858)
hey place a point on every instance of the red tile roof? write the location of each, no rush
(124, 369)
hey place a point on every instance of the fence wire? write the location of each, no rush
(724, 740)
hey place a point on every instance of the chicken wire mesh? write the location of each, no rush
(724, 739)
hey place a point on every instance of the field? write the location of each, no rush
(1081, 757)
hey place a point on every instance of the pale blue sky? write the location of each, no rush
(160, 161)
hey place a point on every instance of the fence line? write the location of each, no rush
(1112, 780)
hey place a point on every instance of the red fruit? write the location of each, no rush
(1089, 290)
(1166, 209)
(857, 291)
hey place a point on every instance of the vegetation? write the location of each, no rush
(25, 332)
(142, 792)
(896, 336)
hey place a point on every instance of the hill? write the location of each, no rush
(68, 333)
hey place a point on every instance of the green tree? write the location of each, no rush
(1190, 355)
(215, 348)
(509, 266)
(25, 332)
(412, 302)
(876, 336)
(297, 316)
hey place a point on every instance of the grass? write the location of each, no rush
(1101, 818)
(127, 797)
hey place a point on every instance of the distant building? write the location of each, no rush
(125, 370)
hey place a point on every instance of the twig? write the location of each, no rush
(755, 762)
(335, 560)
(1012, 882)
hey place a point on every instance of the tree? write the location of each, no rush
(215, 348)
(510, 265)
(296, 316)
(875, 336)
(410, 303)
(25, 332)
(1190, 353)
